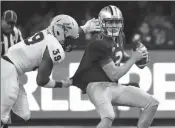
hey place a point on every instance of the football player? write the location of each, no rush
(41, 51)
(100, 70)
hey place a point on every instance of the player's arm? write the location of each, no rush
(126, 57)
(102, 54)
(44, 72)
(116, 72)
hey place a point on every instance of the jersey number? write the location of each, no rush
(35, 39)
(118, 55)
(55, 53)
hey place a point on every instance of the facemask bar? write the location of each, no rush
(105, 28)
(66, 46)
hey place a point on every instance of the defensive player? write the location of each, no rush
(100, 70)
(41, 51)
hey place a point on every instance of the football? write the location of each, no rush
(142, 63)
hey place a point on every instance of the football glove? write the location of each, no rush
(91, 25)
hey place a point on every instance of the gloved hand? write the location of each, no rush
(67, 83)
(91, 25)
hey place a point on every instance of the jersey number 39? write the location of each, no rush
(56, 54)
(39, 37)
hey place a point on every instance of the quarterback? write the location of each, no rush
(41, 51)
(100, 70)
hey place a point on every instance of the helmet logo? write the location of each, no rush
(58, 20)
(67, 25)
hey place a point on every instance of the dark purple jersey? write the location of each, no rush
(100, 48)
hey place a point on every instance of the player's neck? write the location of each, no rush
(108, 37)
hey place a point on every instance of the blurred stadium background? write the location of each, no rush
(153, 21)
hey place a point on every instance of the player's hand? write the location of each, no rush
(142, 48)
(92, 25)
(138, 55)
(67, 83)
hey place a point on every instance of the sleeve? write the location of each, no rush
(81, 32)
(56, 51)
(99, 51)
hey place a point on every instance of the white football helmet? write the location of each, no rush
(63, 26)
(111, 14)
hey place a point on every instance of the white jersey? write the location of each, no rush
(27, 55)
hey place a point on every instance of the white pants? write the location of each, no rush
(13, 95)
(105, 95)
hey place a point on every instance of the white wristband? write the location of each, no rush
(50, 84)
(83, 28)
